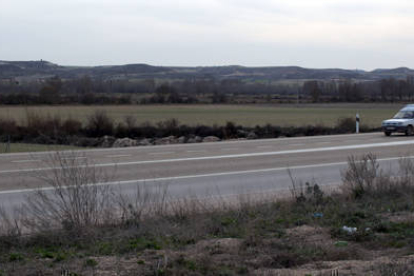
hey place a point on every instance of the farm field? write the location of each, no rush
(247, 115)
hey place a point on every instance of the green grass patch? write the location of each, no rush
(15, 257)
(90, 263)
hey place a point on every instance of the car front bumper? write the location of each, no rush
(394, 128)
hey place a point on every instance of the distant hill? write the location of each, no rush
(44, 69)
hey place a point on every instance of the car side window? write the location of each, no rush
(408, 115)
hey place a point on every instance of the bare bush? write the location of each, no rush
(8, 127)
(406, 166)
(297, 189)
(100, 124)
(130, 121)
(346, 125)
(10, 225)
(147, 201)
(73, 199)
(188, 207)
(154, 201)
(362, 176)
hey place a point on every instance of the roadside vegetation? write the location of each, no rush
(365, 226)
(101, 130)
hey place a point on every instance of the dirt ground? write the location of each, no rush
(236, 252)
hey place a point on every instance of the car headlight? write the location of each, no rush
(399, 124)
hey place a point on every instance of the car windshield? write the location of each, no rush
(404, 115)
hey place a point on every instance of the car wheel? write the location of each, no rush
(387, 133)
(409, 131)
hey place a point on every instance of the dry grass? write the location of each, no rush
(246, 115)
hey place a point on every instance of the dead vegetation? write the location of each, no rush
(80, 227)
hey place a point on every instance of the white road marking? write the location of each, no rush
(119, 155)
(348, 147)
(161, 153)
(74, 158)
(26, 161)
(136, 181)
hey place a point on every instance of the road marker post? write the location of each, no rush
(357, 123)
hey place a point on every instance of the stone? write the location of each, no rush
(181, 140)
(195, 139)
(252, 135)
(124, 142)
(144, 142)
(242, 133)
(166, 141)
(209, 139)
(107, 141)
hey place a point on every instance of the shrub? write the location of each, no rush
(361, 176)
(71, 127)
(99, 124)
(15, 257)
(8, 127)
(346, 125)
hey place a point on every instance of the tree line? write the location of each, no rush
(384, 90)
(85, 90)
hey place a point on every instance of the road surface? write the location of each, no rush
(209, 169)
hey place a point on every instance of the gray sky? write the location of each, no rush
(363, 34)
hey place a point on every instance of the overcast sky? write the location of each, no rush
(362, 34)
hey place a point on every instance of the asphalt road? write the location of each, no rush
(210, 169)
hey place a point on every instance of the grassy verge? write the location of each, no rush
(247, 115)
(364, 227)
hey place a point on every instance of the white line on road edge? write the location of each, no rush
(74, 157)
(363, 146)
(136, 181)
(26, 161)
(119, 155)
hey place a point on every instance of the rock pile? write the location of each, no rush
(109, 141)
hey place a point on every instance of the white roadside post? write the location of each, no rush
(357, 122)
